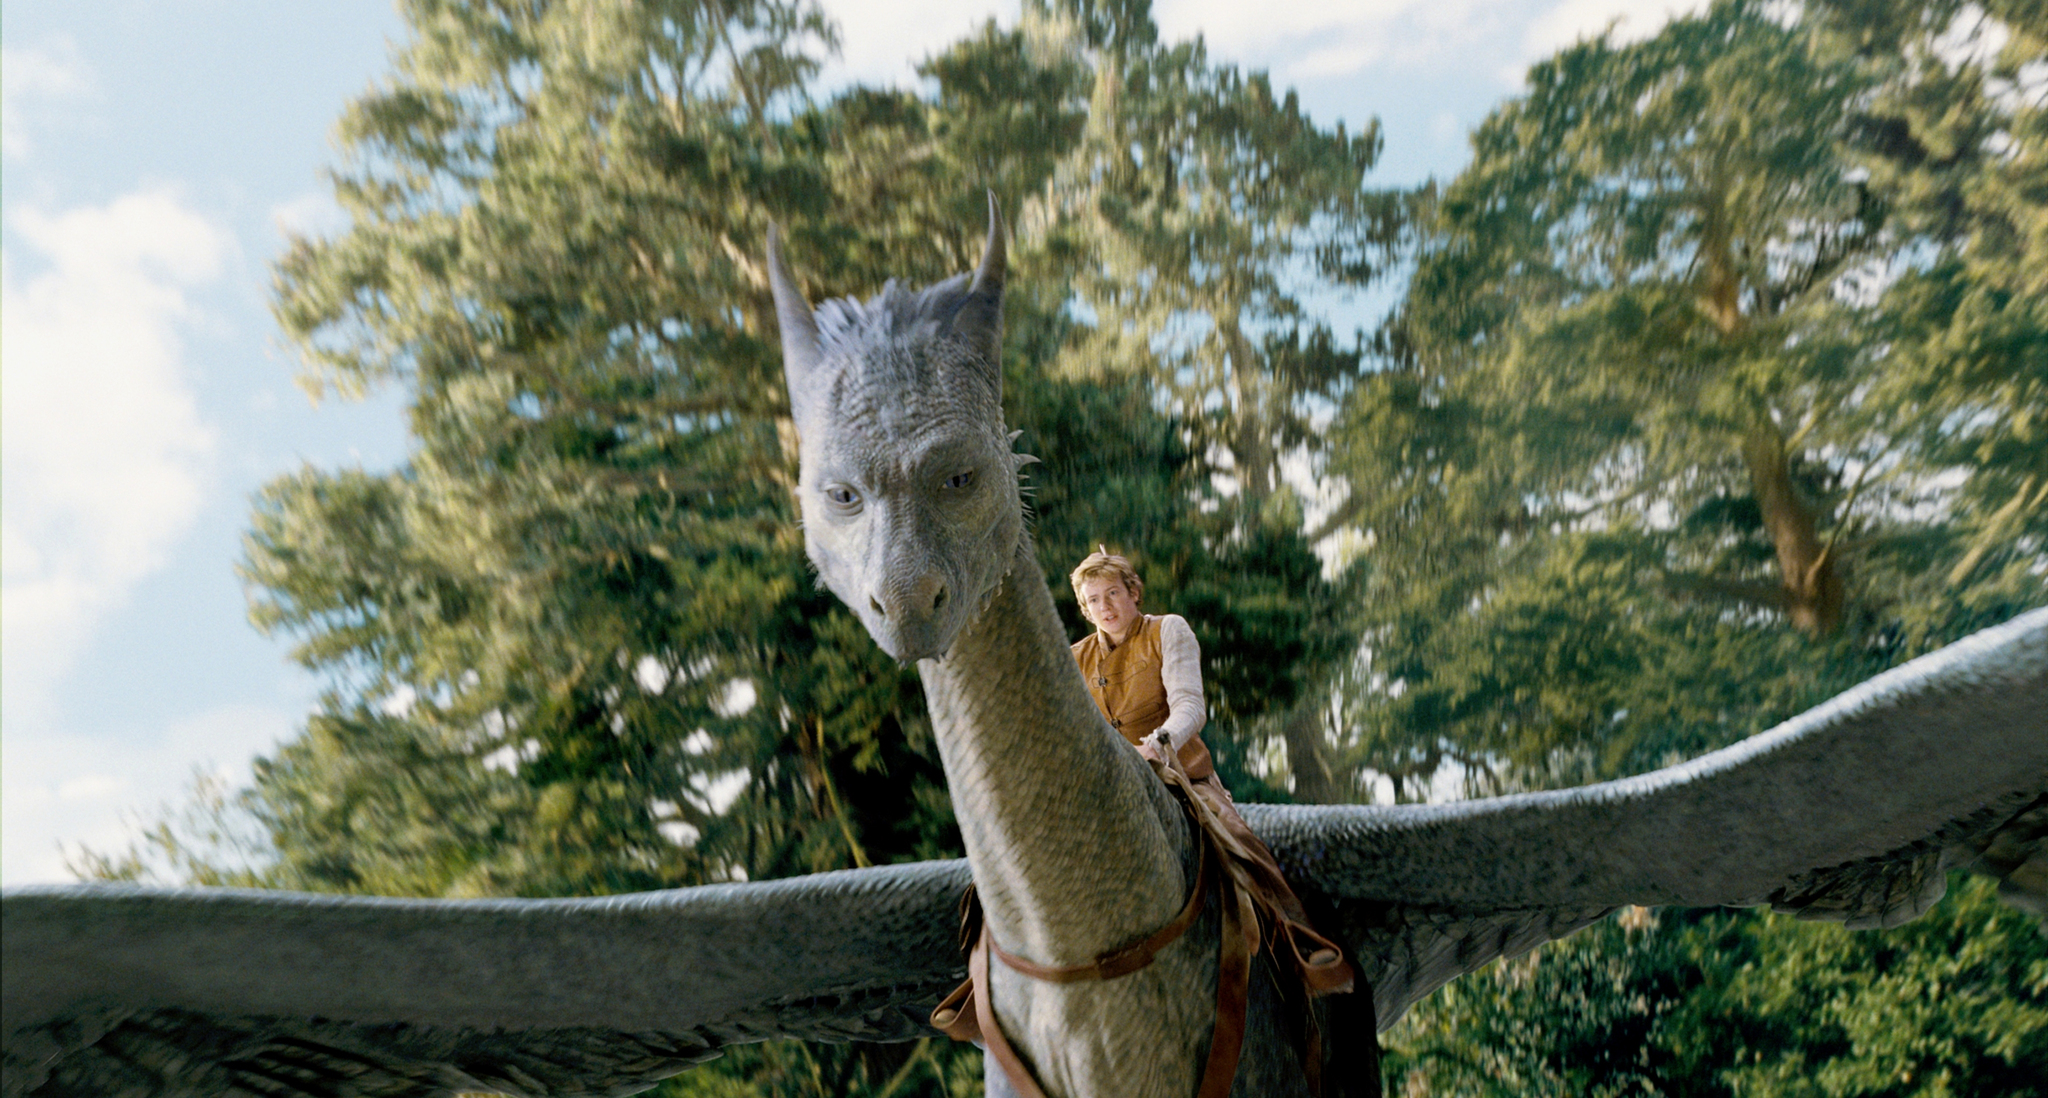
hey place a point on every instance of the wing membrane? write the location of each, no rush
(120, 990)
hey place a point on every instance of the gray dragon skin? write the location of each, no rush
(914, 518)
(1852, 811)
(124, 990)
(1849, 811)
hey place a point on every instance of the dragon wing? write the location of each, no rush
(1852, 811)
(117, 991)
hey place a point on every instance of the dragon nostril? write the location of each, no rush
(939, 600)
(877, 604)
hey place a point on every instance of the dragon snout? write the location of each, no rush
(909, 619)
(925, 595)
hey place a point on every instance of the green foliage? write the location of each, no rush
(1718, 387)
(572, 644)
(1705, 1004)
(581, 607)
(1717, 390)
(1268, 622)
(1960, 149)
(1187, 205)
(1691, 419)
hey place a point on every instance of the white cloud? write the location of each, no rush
(1577, 20)
(313, 214)
(738, 696)
(105, 457)
(27, 74)
(1447, 130)
(1326, 38)
(1235, 23)
(94, 790)
(1336, 38)
(882, 41)
(1310, 39)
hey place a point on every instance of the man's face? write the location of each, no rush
(1108, 603)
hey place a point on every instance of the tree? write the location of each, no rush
(587, 556)
(575, 645)
(1956, 137)
(1718, 388)
(1704, 1004)
(572, 644)
(1184, 219)
(1716, 391)
(1677, 436)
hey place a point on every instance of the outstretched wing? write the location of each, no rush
(114, 991)
(1853, 811)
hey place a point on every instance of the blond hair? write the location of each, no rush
(1103, 564)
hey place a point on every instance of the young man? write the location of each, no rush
(1144, 670)
(1145, 673)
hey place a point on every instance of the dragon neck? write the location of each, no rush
(1076, 846)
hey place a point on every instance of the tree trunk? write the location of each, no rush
(1305, 756)
(1813, 585)
(1806, 569)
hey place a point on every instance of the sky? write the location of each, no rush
(158, 154)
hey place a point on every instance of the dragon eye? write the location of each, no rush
(960, 480)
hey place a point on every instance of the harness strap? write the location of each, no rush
(1233, 989)
(1117, 962)
(1021, 1079)
(966, 1014)
(968, 1005)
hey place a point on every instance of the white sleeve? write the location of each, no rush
(1181, 672)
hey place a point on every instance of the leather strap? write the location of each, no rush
(1233, 988)
(955, 1015)
(1021, 1079)
(968, 1009)
(1322, 969)
(1117, 962)
(966, 1013)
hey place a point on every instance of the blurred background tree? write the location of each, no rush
(1717, 1003)
(573, 645)
(1717, 386)
(585, 593)
(1695, 412)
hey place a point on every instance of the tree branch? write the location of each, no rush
(1827, 552)
(1303, 730)
(1771, 596)
(1344, 513)
(2000, 519)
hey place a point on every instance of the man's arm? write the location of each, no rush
(1181, 672)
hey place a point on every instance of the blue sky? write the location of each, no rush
(157, 153)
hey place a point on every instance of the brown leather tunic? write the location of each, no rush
(1126, 685)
